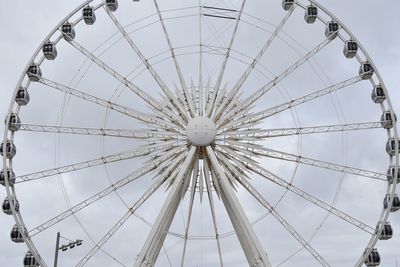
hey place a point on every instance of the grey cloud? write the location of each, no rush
(25, 24)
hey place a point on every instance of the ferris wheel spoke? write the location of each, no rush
(253, 191)
(178, 119)
(153, 145)
(201, 92)
(207, 94)
(148, 66)
(190, 208)
(245, 155)
(173, 171)
(170, 113)
(123, 80)
(232, 111)
(221, 94)
(181, 98)
(338, 213)
(155, 240)
(131, 211)
(258, 134)
(250, 244)
(190, 102)
(313, 200)
(238, 168)
(92, 163)
(139, 92)
(168, 168)
(233, 170)
(252, 118)
(250, 68)
(177, 66)
(214, 218)
(271, 153)
(140, 116)
(124, 133)
(211, 106)
(194, 95)
(103, 193)
(235, 102)
(250, 146)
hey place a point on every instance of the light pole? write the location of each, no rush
(71, 245)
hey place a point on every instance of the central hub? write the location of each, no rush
(201, 131)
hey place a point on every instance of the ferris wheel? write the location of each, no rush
(201, 133)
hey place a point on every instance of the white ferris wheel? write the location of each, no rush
(201, 133)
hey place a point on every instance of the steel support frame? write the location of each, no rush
(151, 249)
(251, 246)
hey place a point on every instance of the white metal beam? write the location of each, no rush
(125, 133)
(146, 195)
(91, 163)
(280, 155)
(249, 69)
(263, 90)
(155, 240)
(251, 246)
(173, 55)
(254, 192)
(257, 169)
(267, 133)
(149, 67)
(191, 202)
(252, 118)
(143, 117)
(155, 104)
(224, 63)
(214, 218)
(83, 204)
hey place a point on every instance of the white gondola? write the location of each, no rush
(22, 97)
(332, 30)
(16, 235)
(373, 259)
(11, 150)
(287, 4)
(15, 122)
(387, 231)
(68, 30)
(10, 175)
(311, 14)
(391, 174)
(112, 5)
(395, 205)
(7, 205)
(366, 70)
(30, 260)
(89, 15)
(391, 145)
(350, 49)
(387, 121)
(34, 72)
(378, 94)
(49, 50)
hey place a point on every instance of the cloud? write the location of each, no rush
(25, 24)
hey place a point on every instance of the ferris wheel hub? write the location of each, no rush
(201, 131)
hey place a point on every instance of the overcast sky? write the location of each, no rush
(26, 23)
